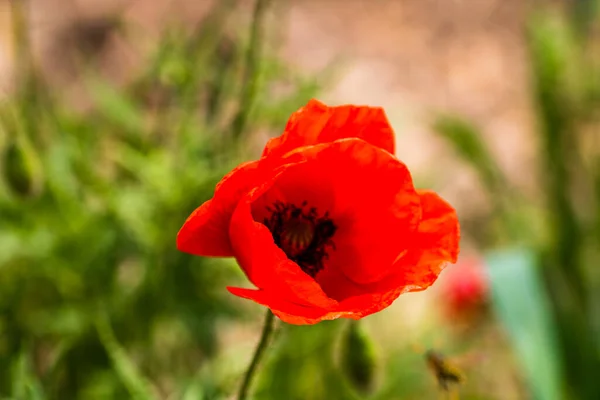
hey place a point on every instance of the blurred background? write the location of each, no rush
(117, 118)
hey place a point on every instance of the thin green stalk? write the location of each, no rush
(258, 355)
(250, 81)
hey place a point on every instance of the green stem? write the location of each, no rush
(250, 79)
(258, 355)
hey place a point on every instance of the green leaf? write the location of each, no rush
(522, 305)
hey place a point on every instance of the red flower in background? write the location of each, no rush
(465, 290)
(327, 223)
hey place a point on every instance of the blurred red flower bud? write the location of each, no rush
(465, 289)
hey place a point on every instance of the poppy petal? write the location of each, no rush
(439, 231)
(265, 264)
(206, 231)
(336, 284)
(375, 207)
(287, 311)
(369, 196)
(317, 123)
(436, 244)
(370, 303)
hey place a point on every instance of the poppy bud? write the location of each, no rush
(465, 291)
(358, 358)
(20, 168)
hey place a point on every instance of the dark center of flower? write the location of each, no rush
(302, 234)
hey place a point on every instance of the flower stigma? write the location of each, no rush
(303, 234)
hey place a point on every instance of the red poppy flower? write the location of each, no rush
(327, 223)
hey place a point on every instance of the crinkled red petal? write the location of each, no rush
(435, 245)
(317, 123)
(370, 197)
(439, 230)
(265, 264)
(206, 231)
(287, 311)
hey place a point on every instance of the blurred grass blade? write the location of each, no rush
(560, 77)
(522, 306)
(193, 392)
(115, 106)
(22, 168)
(61, 178)
(136, 384)
(468, 143)
(25, 385)
(555, 66)
(467, 140)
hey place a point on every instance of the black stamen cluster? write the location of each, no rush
(311, 258)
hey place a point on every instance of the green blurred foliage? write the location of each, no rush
(96, 302)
